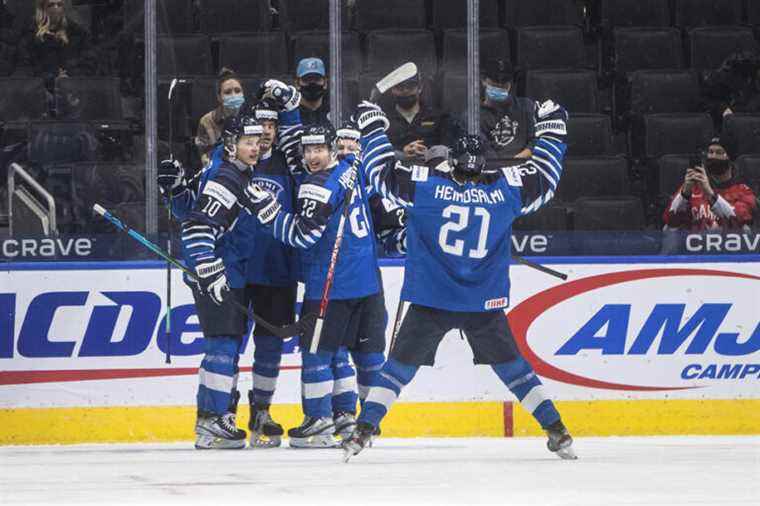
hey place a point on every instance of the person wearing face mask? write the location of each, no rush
(414, 124)
(506, 120)
(230, 96)
(711, 198)
(311, 81)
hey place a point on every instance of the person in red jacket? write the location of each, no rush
(711, 198)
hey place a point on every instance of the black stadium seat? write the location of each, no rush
(599, 176)
(96, 182)
(387, 49)
(218, 16)
(611, 213)
(709, 47)
(741, 133)
(691, 13)
(675, 133)
(550, 47)
(614, 13)
(88, 98)
(255, 53)
(307, 44)
(174, 16)
(549, 218)
(647, 49)
(494, 44)
(520, 13)
(297, 15)
(749, 171)
(454, 93)
(389, 14)
(453, 14)
(654, 91)
(22, 99)
(61, 141)
(589, 135)
(671, 170)
(184, 55)
(576, 90)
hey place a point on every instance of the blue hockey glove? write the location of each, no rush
(213, 280)
(261, 204)
(368, 117)
(286, 97)
(171, 177)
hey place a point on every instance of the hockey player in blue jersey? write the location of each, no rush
(209, 247)
(355, 315)
(456, 272)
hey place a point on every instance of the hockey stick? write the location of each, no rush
(399, 75)
(169, 234)
(286, 331)
(539, 267)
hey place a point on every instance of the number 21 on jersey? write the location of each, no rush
(459, 220)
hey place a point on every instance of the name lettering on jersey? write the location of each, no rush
(269, 185)
(345, 180)
(220, 193)
(470, 196)
(419, 173)
(497, 303)
(515, 174)
(314, 192)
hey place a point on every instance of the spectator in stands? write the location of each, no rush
(711, 198)
(414, 124)
(505, 119)
(230, 96)
(734, 87)
(311, 81)
(55, 45)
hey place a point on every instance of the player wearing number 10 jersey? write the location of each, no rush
(457, 268)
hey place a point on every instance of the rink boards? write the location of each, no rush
(628, 346)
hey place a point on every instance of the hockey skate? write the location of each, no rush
(314, 433)
(358, 440)
(345, 423)
(265, 432)
(218, 433)
(560, 441)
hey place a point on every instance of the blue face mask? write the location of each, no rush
(495, 94)
(233, 101)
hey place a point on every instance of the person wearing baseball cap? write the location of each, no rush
(311, 81)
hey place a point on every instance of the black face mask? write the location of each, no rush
(312, 91)
(716, 167)
(405, 101)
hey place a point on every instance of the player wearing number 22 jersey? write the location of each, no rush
(457, 267)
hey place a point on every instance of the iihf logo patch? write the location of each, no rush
(497, 303)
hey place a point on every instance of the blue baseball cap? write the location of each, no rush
(310, 66)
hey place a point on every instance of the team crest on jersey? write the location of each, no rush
(272, 187)
(504, 132)
(497, 303)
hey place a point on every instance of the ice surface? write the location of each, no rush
(610, 472)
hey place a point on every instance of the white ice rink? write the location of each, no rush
(610, 472)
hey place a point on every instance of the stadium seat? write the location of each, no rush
(306, 44)
(608, 213)
(54, 142)
(453, 14)
(552, 217)
(589, 135)
(520, 13)
(88, 98)
(114, 182)
(741, 133)
(709, 47)
(691, 13)
(22, 99)
(671, 170)
(613, 13)
(663, 49)
(576, 90)
(255, 53)
(174, 16)
(654, 91)
(299, 16)
(218, 16)
(753, 13)
(184, 55)
(387, 49)
(550, 47)
(599, 176)
(389, 14)
(21, 10)
(749, 171)
(454, 93)
(494, 43)
(675, 133)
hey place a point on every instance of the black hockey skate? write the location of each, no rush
(218, 433)
(265, 432)
(314, 433)
(560, 441)
(345, 423)
(358, 440)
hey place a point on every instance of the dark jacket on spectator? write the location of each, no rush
(508, 128)
(319, 116)
(432, 126)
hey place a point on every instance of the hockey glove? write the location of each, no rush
(369, 117)
(171, 177)
(213, 280)
(261, 204)
(551, 119)
(286, 97)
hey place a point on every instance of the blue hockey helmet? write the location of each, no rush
(467, 156)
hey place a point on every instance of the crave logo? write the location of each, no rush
(645, 330)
